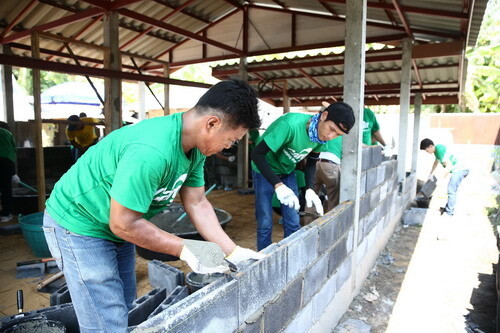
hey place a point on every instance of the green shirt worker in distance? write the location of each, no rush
(100, 208)
(286, 142)
(452, 165)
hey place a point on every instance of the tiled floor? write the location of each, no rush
(242, 229)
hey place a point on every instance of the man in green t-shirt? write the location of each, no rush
(286, 142)
(100, 208)
(371, 129)
(452, 165)
(7, 170)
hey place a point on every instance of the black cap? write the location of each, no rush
(342, 115)
(75, 118)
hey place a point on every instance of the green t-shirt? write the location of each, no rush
(443, 155)
(7, 145)
(370, 125)
(289, 142)
(141, 166)
(253, 138)
(335, 147)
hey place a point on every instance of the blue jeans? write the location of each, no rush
(100, 275)
(264, 192)
(455, 180)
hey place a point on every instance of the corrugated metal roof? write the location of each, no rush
(192, 31)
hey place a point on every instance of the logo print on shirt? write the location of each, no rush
(294, 156)
(164, 194)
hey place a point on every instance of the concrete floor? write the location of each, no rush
(242, 229)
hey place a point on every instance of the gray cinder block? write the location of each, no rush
(302, 250)
(315, 276)
(143, 306)
(164, 276)
(337, 256)
(279, 312)
(429, 187)
(371, 179)
(180, 292)
(261, 281)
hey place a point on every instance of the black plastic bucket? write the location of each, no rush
(183, 228)
(196, 281)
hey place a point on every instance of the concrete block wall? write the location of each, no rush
(308, 280)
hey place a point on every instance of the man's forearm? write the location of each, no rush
(205, 220)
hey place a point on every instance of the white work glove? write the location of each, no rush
(287, 197)
(387, 150)
(15, 179)
(241, 254)
(313, 199)
(231, 158)
(203, 257)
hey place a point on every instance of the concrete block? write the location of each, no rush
(350, 241)
(164, 276)
(281, 310)
(429, 187)
(60, 296)
(364, 205)
(361, 251)
(302, 321)
(337, 256)
(213, 308)
(365, 159)
(343, 272)
(362, 183)
(143, 306)
(360, 230)
(417, 216)
(376, 156)
(254, 324)
(383, 190)
(334, 225)
(179, 293)
(314, 277)
(261, 281)
(302, 249)
(371, 179)
(323, 298)
(380, 174)
(374, 197)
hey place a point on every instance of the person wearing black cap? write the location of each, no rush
(286, 142)
(81, 136)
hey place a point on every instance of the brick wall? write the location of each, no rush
(308, 280)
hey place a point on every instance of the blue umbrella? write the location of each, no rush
(80, 93)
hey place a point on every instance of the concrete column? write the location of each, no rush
(142, 100)
(113, 85)
(416, 130)
(354, 90)
(7, 91)
(242, 158)
(286, 99)
(166, 92)
(37, 104)
(404, 101)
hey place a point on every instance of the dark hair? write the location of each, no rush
(83, 115)
(4, 125)
(73, 118)
(425, 143)
(236, 102)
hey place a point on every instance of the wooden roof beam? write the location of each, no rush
(54, 24)
(411, 9)
(19, 17)
(175, 11)
(403, 18)
(165, 26)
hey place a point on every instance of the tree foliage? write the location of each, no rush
(483, 73)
